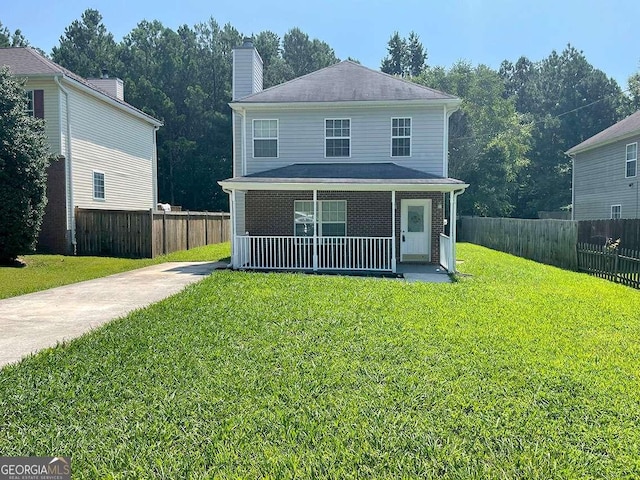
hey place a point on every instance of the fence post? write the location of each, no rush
(153, 243)
(615, 265)
(187, 229)
(221, 220)
(164, 232)
(206, 228)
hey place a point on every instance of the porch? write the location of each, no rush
(366, 218)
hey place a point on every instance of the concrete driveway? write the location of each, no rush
(29, 323)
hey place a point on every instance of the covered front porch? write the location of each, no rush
(338, 224)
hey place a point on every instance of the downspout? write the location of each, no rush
(244, 142)
(69, 168)
(573, 187)
(155, 166)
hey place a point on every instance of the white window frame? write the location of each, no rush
(410, 137)
(104, 185)
(619, 208)
(30, 96)
(276, 138)
(632, 160)
(324, 129)
(317, 222)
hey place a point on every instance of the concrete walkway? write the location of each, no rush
(412, 272)
(31, 322)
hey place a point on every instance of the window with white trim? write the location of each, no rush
(616, 211)
(265, 138)
(400, 137)
(98, 186)
(29, 108)
(332, 215)
(632, 160)
(337, 137)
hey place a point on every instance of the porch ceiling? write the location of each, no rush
(344, 177)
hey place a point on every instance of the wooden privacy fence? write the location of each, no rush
(619, 265)
(598, 231)
(147, 233)
(548, 241)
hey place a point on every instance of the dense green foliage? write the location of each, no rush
(49, 271)
(24, 157)
(249, 375)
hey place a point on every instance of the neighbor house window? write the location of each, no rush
(400, 137)
(265, 138)
(29, 108)
(332, 215)
(337, 134)
(616, 211)
(632, 159)
(98, 186)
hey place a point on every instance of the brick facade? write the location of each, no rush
(368, 213)
(53, 234)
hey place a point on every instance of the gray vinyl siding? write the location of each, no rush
(51, 110)
(237, 120)
(301, 136)
(599, 182)
(110, 140)
(247, 72)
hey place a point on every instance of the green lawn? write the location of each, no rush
(520, 370)
(48, 271)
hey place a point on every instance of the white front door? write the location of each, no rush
(415, 231)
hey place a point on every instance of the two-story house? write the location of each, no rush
(605, 173)
(341, 169)
(105, 148)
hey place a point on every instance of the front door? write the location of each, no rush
(415, 231)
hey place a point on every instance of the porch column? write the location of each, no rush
(232, 212)
(452, 232)
(393, 231)
(315, 231)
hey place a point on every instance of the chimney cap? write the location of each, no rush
(247, 42)
(104, 73)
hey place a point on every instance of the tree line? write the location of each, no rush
(507, 140)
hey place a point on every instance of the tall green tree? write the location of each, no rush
(568, 101)
(87, 47)
(304, 55)
(488, 139)
(24, 157)
(276, 69)
(405, 56)
(417, 54)
(633, 87)
(15, 39)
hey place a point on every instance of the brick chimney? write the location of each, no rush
(247, 70)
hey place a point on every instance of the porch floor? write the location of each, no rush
(420, 272)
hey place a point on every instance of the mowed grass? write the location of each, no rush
(48, 271)
(518, 371)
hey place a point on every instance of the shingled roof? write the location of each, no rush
(26, 61)
(346, 81)
(624, 128)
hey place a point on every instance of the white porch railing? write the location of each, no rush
(445, 252)
(296, 253)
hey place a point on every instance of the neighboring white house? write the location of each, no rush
(106, 148)
(345, 168)
(605, 173)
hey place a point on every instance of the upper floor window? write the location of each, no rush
(616, 211)
(29, 108)
(337, 133)
(400, 137)
(632, 160)
(98, 186)
(265, 138)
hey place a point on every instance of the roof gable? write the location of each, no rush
(25, 61)
(346, 81)
(626, 127)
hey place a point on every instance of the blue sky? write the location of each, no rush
(478, 31)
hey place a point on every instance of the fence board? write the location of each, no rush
(547, 241)
(146, 233)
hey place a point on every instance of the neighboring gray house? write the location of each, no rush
(605, 173)
(341, 169)
(105, 148)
